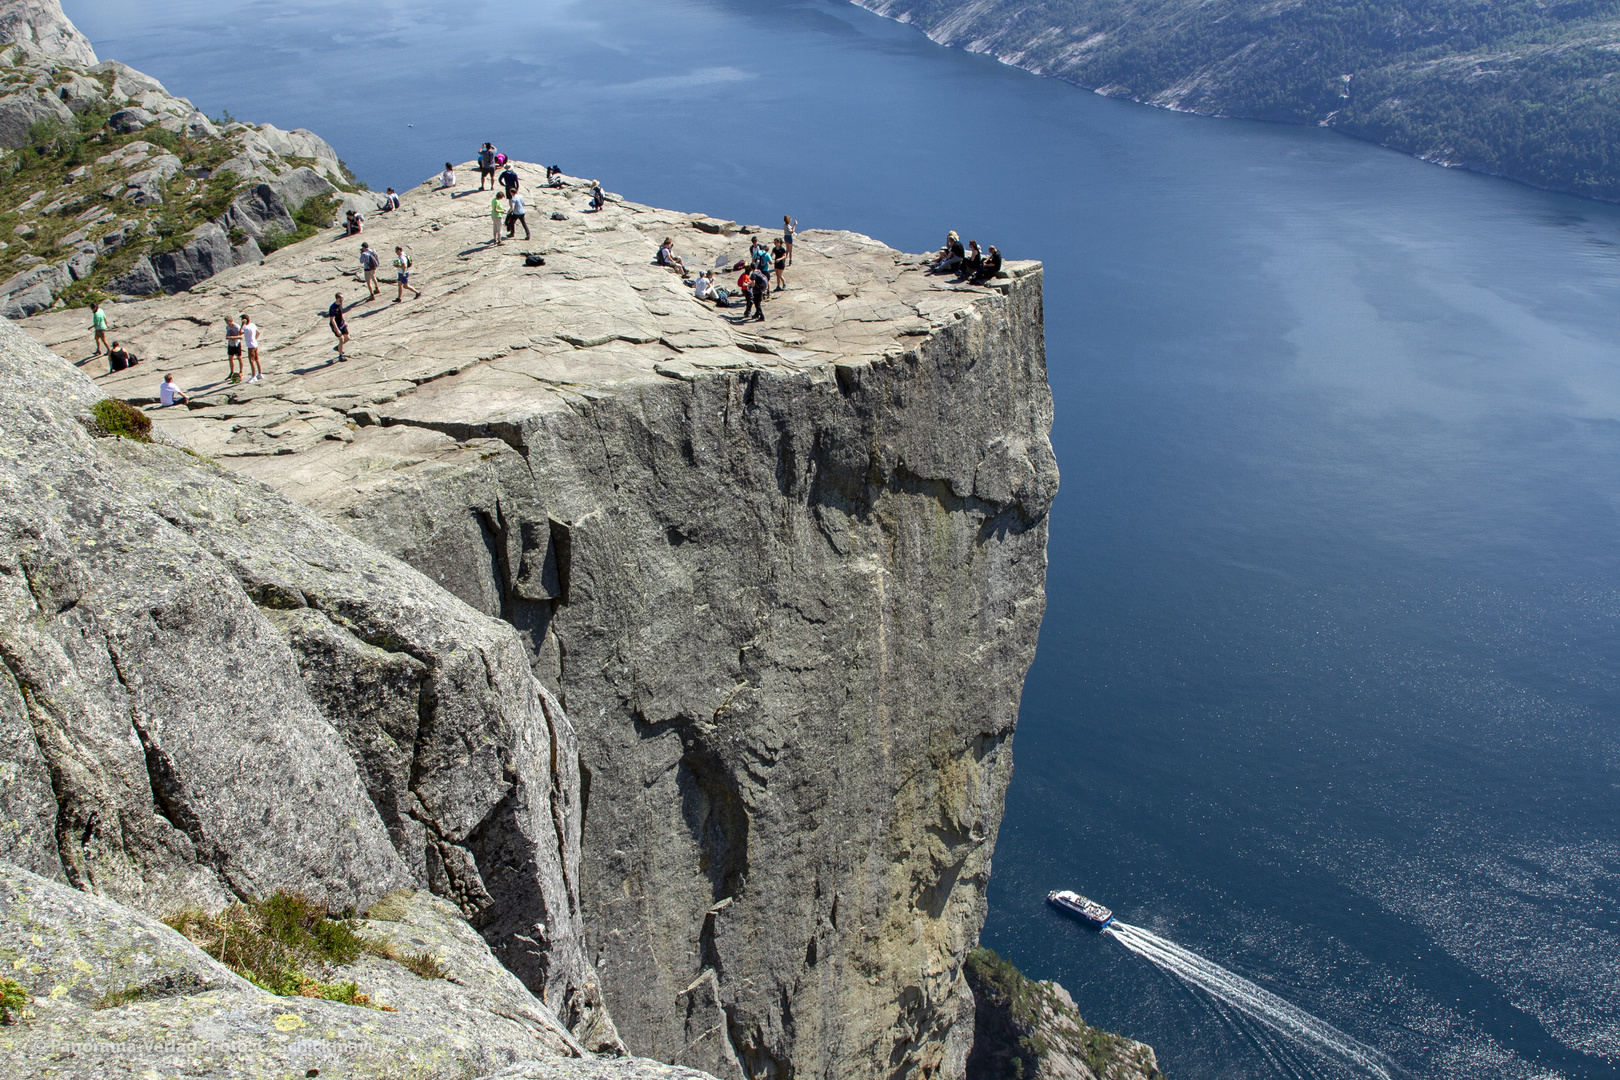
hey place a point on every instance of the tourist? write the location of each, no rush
(447, 179)
(973, 260)
(951, 255)
(340, 327)
(509, 181)
(169, 394)
(497, 215)
(486, 166)
(402, 262)
(554, 176)
(369, 262)
(390, 202)
(233, 349)
(119, 359)
(98, 323)
(667, 256)
(779, 253)
(355, 223)
(598, 197)
(763, 260)
(789, 227)
(516, 216)
(500, 158)
(759, 283)
(703, 287)
(991, 267)
(250, 341)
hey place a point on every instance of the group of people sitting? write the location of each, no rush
(970, 263)
(753, 278)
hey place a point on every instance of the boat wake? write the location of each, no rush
(1291, 1022)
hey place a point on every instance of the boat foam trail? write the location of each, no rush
(1289, 1021)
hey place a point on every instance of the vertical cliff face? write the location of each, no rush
(785, 577)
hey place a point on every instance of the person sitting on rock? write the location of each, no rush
(120, 358)
(554, 175)
(973, 262)
(390, 202)
(598, 197)
(447, 179)
(352, 222)
(703, 287)
(667, 256)
(169, 394)
(951, 255)
(991, 267)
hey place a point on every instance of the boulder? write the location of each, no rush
(259, 212)
(82, 262)
(299, 186)
(146, 187)
(129, 83)
(40, 27)
(33, 290)
(125, 121)
(139, 280)
(206, 253)
(19, 111)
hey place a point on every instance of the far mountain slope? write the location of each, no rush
(1515, 88)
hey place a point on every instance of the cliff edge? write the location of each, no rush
(785, 578)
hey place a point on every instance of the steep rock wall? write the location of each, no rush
(208, 692)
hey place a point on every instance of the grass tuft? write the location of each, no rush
(121, 418)
(12, 996)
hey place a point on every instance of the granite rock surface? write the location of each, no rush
(116, 993)
(212, 693)
(786, 576)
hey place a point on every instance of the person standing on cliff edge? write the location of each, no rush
(486, 166)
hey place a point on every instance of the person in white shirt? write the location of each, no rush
(250, 342)
(169, 394)
(514, 217)
(447, 179)
(703, 288)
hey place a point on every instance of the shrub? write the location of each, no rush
(52, 136)
(121, 418)
(12, 996)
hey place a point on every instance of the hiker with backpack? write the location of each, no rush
(402, 262)
(758, 283)
(486, 166)
(368, 268)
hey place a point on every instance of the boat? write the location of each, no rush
(1089, 912)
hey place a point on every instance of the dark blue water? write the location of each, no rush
(1328, 686)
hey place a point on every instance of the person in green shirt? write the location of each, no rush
(497, 215)
(98, 323)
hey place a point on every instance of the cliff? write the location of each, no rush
(1516, 88)
(116, 187)
(785, 577)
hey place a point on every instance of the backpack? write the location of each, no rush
(368, 260)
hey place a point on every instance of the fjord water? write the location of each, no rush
(1327, 691)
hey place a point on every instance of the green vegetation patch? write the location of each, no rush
(120, 418)
(316, 214)
(13, 996)
(278, 941)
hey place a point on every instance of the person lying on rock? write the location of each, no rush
(169, 394)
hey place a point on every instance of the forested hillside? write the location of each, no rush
(1514, 87)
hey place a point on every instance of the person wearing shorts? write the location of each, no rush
(368, 265)
(402, 262)
(486, 166)
(98, 323)
(779, 256)
(340, 327)
(233, 349)
(789, 227)
(250, 341)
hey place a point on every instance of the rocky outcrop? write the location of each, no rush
(1032, 1030)
(105, 157)
(116, 993)
(227, 695)
(786, 577)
